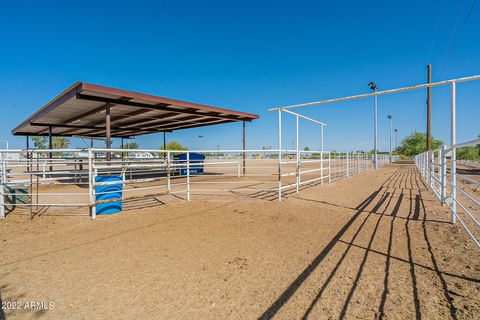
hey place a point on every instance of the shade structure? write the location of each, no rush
(82, 108)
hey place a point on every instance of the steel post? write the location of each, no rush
(375, 127)
(108, 141)
(279, 155)
(297, 158)
(443, 153)
(453, 159)
(321, 154)
(329, 168)
(164, 144)
(348, 165)
(2, 183)
(188, 175)
(391, 139)
(432, 168)
(50, 146)
(168, 171)
(91, 185)
(244, 147)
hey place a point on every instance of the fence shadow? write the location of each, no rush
(399, 198)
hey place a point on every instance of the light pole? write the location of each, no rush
(396, 138)
(200, 140)
(6, 142)
(389, 117)
(373, 86)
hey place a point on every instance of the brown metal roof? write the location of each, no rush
(80, 111)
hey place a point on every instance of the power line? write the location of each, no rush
(453, 40)
(470, 12)
(437, 26)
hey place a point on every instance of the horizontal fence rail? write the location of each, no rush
(455, 184)
(36, 179)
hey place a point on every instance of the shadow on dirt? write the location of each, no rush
(403, 189)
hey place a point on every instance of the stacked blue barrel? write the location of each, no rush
(110, 192)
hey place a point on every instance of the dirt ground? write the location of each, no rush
(376, 245)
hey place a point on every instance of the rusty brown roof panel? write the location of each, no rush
(80, 110)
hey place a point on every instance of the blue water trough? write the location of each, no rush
(114, 192)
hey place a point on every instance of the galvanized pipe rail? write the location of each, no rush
(165, 174)
(432, 166)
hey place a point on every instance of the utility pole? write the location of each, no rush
(429, 112)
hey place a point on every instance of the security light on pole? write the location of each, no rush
(396, 138)
(373, 86)
(6, 143)
(389, 117)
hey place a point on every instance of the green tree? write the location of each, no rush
(57, 142)
(39, 142)
(60, 143)
(416, 143)
(131, 145)
(173, 145)
(469, 153)
(306, 149)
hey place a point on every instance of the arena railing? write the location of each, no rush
(67, 177)
(439, 169)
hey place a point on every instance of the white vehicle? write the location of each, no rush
(140, 155)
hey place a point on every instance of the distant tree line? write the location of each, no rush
(469, 153)
(57, 142)
(131, 145)
(173, 145)
(416, 143)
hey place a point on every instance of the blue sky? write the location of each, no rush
(248, 56)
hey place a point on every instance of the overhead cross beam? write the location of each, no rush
(69, 135)
(79, 117)
(131, 125)
(113, 119)
(74, 126)
(158, 120)
(186, 120)
(183, 126)
(159, 106)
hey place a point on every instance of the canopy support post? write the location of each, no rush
(108, 132)
(164, 144)
(28, 148)
(50, 146)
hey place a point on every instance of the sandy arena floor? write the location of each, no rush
(376, 245)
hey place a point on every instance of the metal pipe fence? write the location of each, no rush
(68, 178)
(455, 184)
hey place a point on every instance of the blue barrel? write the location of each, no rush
(196, 163)
(114, 192)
